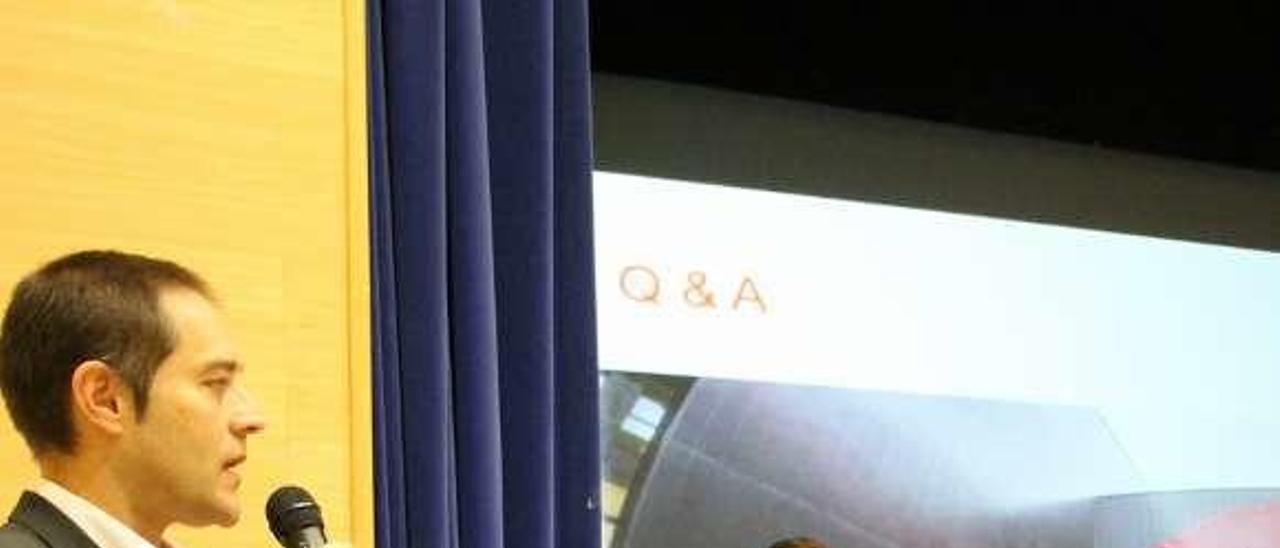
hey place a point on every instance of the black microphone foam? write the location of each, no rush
(294, 518)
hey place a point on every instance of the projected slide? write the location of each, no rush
(711, 462)
(870, 375)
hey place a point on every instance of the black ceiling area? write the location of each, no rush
(1194, 80)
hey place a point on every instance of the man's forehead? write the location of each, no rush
(202, 336)
(176, 300)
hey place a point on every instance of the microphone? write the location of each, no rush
(295, 518)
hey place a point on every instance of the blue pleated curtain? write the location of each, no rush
(484, 328)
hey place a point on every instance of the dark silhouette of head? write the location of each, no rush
(799, 542)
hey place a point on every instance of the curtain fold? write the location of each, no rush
(484, 325)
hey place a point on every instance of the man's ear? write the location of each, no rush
(99, 397)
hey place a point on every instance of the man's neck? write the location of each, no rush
(94, 482)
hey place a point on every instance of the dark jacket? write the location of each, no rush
(35, 523)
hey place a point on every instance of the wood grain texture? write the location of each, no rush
(227, 135)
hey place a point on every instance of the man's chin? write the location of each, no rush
(224, 513)
(229, 516)
(220, 519)
(229, 520)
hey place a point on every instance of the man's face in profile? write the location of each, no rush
(186, 448)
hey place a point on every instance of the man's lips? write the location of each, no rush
(229, 468)
(234, 461)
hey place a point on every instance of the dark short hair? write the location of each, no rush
(102, 305)
(798, 542)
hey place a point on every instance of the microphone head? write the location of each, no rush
(291, 508)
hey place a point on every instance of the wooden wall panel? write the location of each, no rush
(227, 135)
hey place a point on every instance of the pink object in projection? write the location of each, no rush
(1253, 526)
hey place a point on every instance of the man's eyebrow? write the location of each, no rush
(229, 366)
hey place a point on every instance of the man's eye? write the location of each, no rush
(218, 383)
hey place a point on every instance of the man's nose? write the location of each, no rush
(247, 419)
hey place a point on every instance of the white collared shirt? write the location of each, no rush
(103, 529)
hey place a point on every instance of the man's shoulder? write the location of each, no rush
(16, 535)
(36, 523)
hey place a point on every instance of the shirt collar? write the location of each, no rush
(105, 531)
